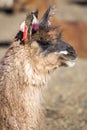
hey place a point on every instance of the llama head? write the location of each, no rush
(50, 51)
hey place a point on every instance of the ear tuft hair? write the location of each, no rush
(44, 22)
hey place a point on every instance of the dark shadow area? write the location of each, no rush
(79, 2)
(8, 11)
(11, 11)
(5, 44)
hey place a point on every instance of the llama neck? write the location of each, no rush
(22, 90)
(34, 78)
(33, 96)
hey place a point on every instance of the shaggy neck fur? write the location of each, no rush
(20, 90)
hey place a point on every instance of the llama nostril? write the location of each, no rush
(71, 50)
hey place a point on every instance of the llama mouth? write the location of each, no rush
(70, 60)
(67, 60)
(70, 63)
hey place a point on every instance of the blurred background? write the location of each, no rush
(66, 98)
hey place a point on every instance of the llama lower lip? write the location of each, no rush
(71, 63)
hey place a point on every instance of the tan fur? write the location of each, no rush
(22, 79)
(24, 72)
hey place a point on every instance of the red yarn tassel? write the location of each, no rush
(25, 34)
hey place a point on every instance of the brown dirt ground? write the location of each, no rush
(66, 98)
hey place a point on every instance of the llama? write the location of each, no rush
(24, 72)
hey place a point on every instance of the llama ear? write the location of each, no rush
(44, 22)
(35, 12)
